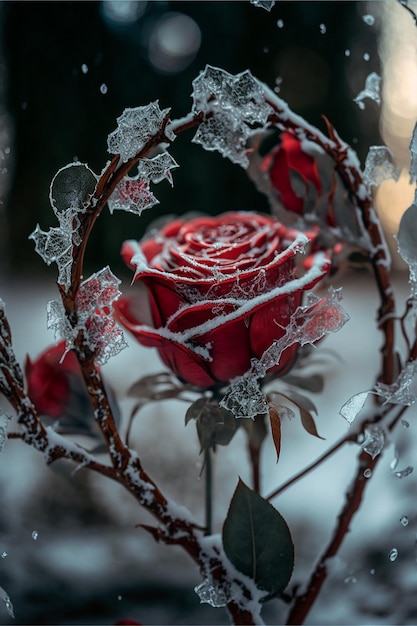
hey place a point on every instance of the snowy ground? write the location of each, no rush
(88, 564)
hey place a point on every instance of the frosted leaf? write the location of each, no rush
(132, 195)
(263, 4)
(374, 440)
(413, 154)
(353, 406)
(371, 90)
(212, 594)
(55, 246)
(380, 166)
(157, 168)
(94, 311)
(399, 391)
(8, 603)
(233, 105)
(94, 301)
(135, 127)
(72, 188)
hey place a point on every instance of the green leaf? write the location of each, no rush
(257, 540)
(215, 425)
(72, 187)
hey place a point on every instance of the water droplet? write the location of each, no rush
(35, 535)
(393, 554)
(350, 580)
(367, 473)
(374, 435)
(347, 53)
(103, 88)
(405, 423)
(84, 68)
(323, 29)
(369, 19)
(366, 56)
(280, 23)
(405, 472)
(3, 554)
(404, 520)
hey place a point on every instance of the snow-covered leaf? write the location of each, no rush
(55, 246)
(132, 195)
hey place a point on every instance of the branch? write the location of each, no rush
(348, 166)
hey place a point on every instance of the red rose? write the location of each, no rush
(221, 290)
(48, 380)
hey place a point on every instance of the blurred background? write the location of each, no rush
(70, 552)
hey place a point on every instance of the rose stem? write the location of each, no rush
(208, 483)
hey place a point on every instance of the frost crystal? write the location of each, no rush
(135, 127)
(211, 594)
(263, 4)
(94, 311)
(399, 392)
(308, 324)
(234, 108)
(353, 406)
(405, 472)
(374, 440)
(134, 194)
(371, 90)
(379, 166)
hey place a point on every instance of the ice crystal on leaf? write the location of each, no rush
(135, 127)
(234, 107)
(263, 4)
(371, 90)
(379, 166)
(133, 194)
(308, 324)
(94, 311)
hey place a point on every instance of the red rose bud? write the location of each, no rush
(221, 291)
(48, 380)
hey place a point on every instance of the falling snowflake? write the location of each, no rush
(233, 106)
(135, 127)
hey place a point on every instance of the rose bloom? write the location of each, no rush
(221, 290)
